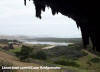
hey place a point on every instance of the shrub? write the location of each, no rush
(41, 55)
(72, 52)
(67, 63)
(28, 60)
(95, 60)
(26, 52)
(72, 63)
(61, 62)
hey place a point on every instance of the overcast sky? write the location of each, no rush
(17, 19)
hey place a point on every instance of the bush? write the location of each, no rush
(41, 55)
(67, 63)
(70, 52)
(26, 52)
(95, 60)
(61, 62)
(28, 60)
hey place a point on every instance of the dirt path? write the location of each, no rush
(93, 55)
(49, 47)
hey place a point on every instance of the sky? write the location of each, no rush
(17, 19)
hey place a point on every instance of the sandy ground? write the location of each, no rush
(49, 47)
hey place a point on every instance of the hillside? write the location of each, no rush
(71, 58)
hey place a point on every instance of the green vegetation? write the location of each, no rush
(72, 52)
(27, 53)
(71, 57)
(41, 55)
(15, 50)
(67, 62)
(95, 60)
(5, 41)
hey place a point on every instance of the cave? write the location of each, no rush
(78, 10)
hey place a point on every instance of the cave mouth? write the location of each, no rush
(67, 25)
(59, 26)
(77, 10)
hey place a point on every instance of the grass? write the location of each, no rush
(86, 65)
(14, 50)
